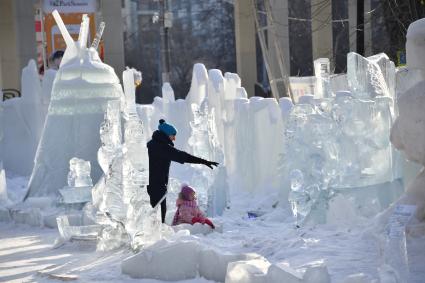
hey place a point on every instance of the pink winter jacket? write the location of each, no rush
(186, 211)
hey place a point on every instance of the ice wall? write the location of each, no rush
(81, 90)
(23, 124)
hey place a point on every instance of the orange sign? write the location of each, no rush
(54, 39)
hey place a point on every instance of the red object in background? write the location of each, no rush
(37, 26)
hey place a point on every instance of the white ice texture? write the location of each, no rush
(79, 173)
(340, 142)
(198, 132)
(415, 55)
(81, 90)
(371, 76)
(79, 231)
(24, 115)
(4, 199)
(120, 195)
(170, 261)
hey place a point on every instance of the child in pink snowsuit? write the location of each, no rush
(188, 210)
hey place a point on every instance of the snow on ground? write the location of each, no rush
(16, 186)
(27, 253)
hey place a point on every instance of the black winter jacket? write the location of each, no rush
(161, 152)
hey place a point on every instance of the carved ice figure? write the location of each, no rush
(335, 144)
(121, 195)
(322, 73)
(79, 173)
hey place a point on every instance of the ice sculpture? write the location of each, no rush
(394, 250)
(212, 192)
(136, 164)
(68, 232)
(337, 143)
(215, 98)
(30, 108)
(249, 124)
(267, 128)
(407, 135)
(108, 195)
(233, 82)
(46, 90)
(99, 33)
(121, 196)
(286, 105)
(81, 90)
(242, 161)
(370, 77)
(322, 74)
(198, 88)
(415, 55)
(79, 183)
(168, 93)
(4, 199)
(79, 173)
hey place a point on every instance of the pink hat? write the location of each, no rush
(187, 191)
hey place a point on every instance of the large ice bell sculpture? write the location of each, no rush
(81, 91)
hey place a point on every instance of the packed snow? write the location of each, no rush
(306, 191)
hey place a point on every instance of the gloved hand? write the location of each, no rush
(211, 164)
(207, 221)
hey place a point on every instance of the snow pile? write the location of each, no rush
(163, 261)
(81, 90)
(154, 262)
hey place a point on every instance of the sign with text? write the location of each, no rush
(69, 6)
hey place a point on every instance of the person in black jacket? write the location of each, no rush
(161, 152)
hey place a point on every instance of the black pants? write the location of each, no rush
(155, 197)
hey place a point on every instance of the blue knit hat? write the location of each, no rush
(166, 128)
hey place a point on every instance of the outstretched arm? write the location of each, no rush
(184, 157)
